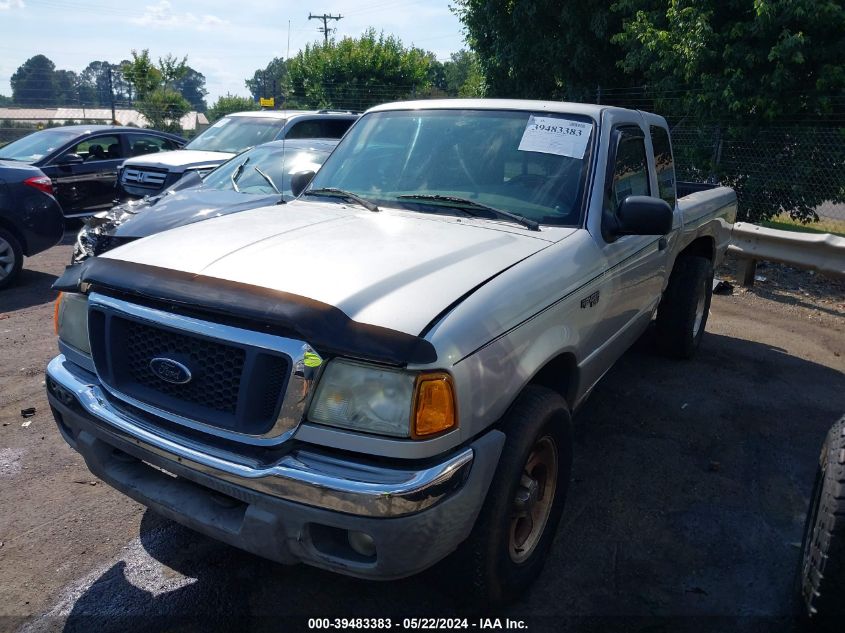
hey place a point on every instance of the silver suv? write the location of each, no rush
(149, 170)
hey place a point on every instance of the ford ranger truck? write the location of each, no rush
(381, 374)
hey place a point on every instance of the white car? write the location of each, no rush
(151, 168)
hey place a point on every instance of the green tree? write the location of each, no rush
(192, 86)
(33, 83)
(162, 106)
(462, 75)
(727, 50)
(66, 87)
(228, 104)
(767, 75)
(94, 83)
(544, 49)
(261, 84)
(141, 73)
(163, 109)
(172, 69)
(357, 73)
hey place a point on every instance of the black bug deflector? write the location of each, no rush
(325, 327)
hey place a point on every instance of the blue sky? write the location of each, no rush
(226, 40)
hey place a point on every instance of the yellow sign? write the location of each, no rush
(267, 103)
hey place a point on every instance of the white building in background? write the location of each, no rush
(192, 121)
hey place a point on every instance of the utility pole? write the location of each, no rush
(325, 18)
(111, 94)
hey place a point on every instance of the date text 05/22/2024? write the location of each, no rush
(483, 624)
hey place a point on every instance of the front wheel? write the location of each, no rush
(683, 310)
(517, 524)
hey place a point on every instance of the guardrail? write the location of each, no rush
(817, 251)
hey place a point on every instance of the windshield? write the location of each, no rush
(528, 164)
(37, 145)
(236, 133)
(276, 164)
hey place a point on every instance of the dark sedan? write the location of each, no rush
(258, 177)
(82, 160)
(30, 217)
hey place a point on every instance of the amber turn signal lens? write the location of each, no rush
(434, 405)
(56, 308)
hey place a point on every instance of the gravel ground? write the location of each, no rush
(689, 488)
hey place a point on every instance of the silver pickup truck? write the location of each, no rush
(381, 374)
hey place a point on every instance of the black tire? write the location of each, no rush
(9, 246)
(483, 568)
(679, 310)
(821, 575)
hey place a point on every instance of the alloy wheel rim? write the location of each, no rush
(7, 258)
(532, 504)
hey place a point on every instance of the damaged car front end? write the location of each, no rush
(262, 176)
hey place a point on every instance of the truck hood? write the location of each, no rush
(394, 269)
(178, 160)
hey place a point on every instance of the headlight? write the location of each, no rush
(384, 401)
(71, 320)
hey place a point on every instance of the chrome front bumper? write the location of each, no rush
(302, 476)
(303, 507)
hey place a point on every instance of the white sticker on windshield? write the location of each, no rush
(551, 135)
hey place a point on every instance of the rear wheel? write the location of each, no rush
(11, 258)
(682, 314)
(517, 524)
(821, 576)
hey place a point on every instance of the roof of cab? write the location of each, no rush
(527, 105)
(287, 114)
(591, 110)
(125, 129)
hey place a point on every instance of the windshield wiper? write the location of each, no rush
(340, 193)
(268, 179)
(237, 174)
(472, 204)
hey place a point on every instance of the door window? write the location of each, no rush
(664, 163)
(630, 169)
(97, 148)
(140, 144)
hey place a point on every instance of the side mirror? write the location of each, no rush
(299, 181)
(70, 159)
(643, 215)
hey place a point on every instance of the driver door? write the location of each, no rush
(86, 173)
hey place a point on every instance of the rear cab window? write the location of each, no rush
(664, 163)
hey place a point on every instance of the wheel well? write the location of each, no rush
(14, 231)
(559, 374)
(700, 247)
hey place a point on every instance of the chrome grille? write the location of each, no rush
(140, 177)
(232, 385)
(216, 380)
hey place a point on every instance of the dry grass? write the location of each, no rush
(824, 225)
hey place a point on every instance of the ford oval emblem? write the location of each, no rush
(170, 371)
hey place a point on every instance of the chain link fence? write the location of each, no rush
(794, 170)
